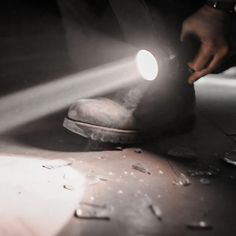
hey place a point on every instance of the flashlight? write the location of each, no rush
(153, 63)
(165, 59)
(147, 65)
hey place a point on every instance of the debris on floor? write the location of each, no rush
(68, 187)
(209, 172)
(138, 150)
(141, 168)
(119, 148)
(205, 181)
(181, 180)
(182, 152)
(94, 179)
(230, 157)
(200, 225)
(91, 211)
(156, 211)
(53, 164)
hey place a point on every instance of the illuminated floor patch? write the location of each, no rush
(34, 200)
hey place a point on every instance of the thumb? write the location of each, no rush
(182, 35)
(184, 32)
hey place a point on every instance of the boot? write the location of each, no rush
(102, 119)
(165, 106)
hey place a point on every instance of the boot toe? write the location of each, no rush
(102, 112)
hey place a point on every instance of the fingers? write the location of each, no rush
(186, 30)
(203, 57)
(183, 34)
(215, 62)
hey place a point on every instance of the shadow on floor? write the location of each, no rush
(48, 133)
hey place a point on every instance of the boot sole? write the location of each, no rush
(102, 134)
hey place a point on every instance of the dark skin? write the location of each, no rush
(211, 27)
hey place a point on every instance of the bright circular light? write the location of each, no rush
(147, 65)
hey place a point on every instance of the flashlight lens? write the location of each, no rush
(147, 65)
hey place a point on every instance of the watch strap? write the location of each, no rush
(228, 7)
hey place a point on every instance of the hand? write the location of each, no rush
(211, 27)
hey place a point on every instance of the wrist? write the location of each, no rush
(207, 11)
(224, 6)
